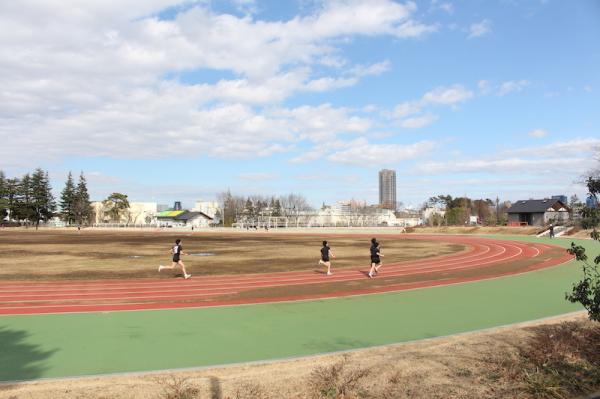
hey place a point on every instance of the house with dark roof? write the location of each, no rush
(183, 219)
(537, 212)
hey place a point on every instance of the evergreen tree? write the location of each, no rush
(21, 207)
(12, 197)
(82, 208)
(67, 201)
(41, 202)
(276, 208)
(3, 197)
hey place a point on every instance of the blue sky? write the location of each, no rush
(167, 100)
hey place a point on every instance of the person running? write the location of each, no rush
(325, 255)
(376, 256)
(177, 251)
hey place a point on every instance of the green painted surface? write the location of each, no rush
(39, 346)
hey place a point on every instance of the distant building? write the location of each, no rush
(183, 219)
(561, 198)
(209, 208)
(537, 212)
(177, 206)
(387, 189)
(162, 207)
(138, 213)
(591, 202)
(409, 219)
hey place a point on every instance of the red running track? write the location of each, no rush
(34, 297)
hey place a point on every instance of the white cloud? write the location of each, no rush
(484, 87)
(587, 88)
(361, 152)
(407, 108)
(568, 158)
(448, 7)
(575, 148)
(258, 176)
(512, 85)
(409, 114)
(507, 165)
(418, 121)
(538, 133)
(480, 29)
(322, 122)
(447, 95)
(88, 78)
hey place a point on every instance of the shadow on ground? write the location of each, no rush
(20, 360)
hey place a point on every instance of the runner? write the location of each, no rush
(325, 254)
(375, 258)
(177, 251)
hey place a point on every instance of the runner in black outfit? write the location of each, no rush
(325, 254)
(375, 258)
(177, 251)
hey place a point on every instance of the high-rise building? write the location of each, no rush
(387, 189)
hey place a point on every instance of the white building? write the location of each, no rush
(209, 208)
(138, 213)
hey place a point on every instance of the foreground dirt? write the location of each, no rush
(462, 366)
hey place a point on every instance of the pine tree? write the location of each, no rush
(67, 201)
(41, 202)
(116, 204)
(12, 197)
(82, 208)
(3, 197)
(21, 206)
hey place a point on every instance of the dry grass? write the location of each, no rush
(56, 254)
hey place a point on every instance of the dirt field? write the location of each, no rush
(475, 365)
(67, 254)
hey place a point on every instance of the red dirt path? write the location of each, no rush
(483, 255)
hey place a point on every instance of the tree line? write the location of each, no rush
(29, 200)
(236, 207)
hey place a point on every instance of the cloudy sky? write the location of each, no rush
(166, 100)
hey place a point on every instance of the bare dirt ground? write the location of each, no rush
(475, 230)
(68, 254)
(475, 365)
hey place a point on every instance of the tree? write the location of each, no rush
(115, 206)
(82, 208)
(67, 201)
(42, 202)
(12, 197)
(587, 291)
(3, 196)
(21, 205)
(276, 210)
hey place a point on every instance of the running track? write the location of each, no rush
(28, 297)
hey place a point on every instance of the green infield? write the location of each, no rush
(47, 346)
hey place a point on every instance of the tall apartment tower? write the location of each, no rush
(387, 189)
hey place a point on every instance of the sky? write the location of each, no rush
(167, 100)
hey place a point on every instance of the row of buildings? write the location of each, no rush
(532, 212)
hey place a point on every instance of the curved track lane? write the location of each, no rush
(483, 258)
